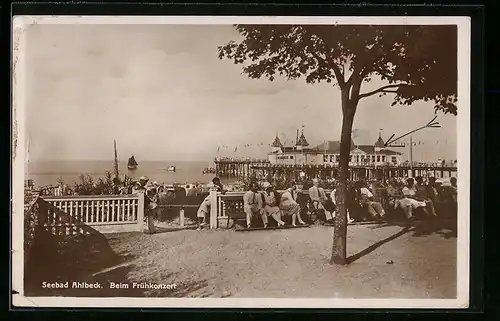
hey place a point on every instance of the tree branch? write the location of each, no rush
(356, 74)
(381, 89)
(356, 87)
(338, 74)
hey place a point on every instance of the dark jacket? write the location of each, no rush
(432, 193)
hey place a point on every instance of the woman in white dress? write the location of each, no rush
(289, 205)
(409, 203)
(270, 200)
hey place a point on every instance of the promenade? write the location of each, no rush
(387, 261)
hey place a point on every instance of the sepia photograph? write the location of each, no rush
(262, 162)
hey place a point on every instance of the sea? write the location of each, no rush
(45, 173)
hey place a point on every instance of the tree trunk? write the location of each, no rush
(339, 248)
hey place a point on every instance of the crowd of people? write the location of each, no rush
(306, 199)
(365, 201)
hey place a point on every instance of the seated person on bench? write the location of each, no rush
(333, 197)
(289, 205)
(375, 209)
(410, 202)
(435, 196)
(423, 195)
(253, 206)
(453, 182)
(395, 195)
(271, 200)
(319, 199)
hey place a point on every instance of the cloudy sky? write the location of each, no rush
(163, 94)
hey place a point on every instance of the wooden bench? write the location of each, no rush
(233, 208)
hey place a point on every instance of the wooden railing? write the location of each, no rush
(104, 213)
(118, 213)
(31, 224)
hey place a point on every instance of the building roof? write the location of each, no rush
(277, 142)
(369, 149)
(333, 147)
(388, 152)
(293, 150)
(379, 142)
(302, 141)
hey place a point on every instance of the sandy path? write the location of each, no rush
(291, 263)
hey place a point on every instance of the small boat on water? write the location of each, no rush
(132, 163)
(208, 170)
(171, 168)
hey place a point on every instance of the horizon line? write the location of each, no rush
(110, 160)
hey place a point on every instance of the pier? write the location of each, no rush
(231, 167)
(237, 167)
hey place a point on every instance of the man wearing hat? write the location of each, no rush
(150, 207)
(271, 201)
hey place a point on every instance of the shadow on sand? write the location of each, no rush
(445, 227)
(81, 256)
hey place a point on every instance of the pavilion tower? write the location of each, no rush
(276, 145)
(301, 142)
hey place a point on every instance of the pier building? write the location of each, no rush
(328, 153)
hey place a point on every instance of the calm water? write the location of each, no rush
(48, 172)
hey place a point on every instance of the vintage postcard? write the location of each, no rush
(244, 162)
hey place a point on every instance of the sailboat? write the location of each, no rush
(132, 164)
(115, 164)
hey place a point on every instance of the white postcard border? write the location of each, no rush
(21, 23)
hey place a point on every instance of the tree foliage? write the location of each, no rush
(416, 62)
(107, 185)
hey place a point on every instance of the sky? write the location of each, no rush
(163, 94)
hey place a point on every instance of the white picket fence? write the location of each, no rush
(104, 213)
(116, 213)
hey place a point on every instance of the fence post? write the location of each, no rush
(181, 217)
(140, 213)
(213, 208)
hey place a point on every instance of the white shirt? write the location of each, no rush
(366, 192)
(332, 196)
(409, 192)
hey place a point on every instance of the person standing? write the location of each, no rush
(150, 207)
(204, 210)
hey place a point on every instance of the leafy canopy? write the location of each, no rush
(416, 62)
